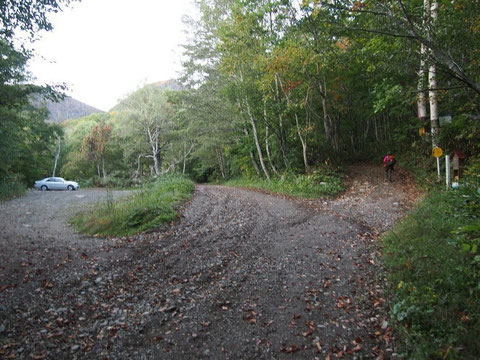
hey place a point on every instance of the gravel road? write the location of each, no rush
(242, 275)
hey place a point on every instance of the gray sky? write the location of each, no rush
(105, 49)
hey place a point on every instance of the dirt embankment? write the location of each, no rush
(242, 275)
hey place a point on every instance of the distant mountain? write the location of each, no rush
(68, 108)
(167, 84)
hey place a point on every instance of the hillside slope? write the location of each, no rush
(171, 84)
(69, 108)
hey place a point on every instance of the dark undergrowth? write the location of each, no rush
(11, 188)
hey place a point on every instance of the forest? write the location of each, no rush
(285, 90)
(272, 88)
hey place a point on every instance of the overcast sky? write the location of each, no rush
(104, 49)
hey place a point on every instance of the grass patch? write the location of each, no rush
(150, 207)
(317, 184)
(11, 189)
(433, 259)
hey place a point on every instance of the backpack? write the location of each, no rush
(391, 160)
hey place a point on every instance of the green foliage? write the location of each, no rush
(463, 133)
(27, 143)
(150, 207)
(321, 183)
(27, 148)
(11, 187)
(434, 266)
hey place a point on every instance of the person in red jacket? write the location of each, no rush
(389, 162)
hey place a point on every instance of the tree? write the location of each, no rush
(27, 142)
(150, 116)
(95, 144)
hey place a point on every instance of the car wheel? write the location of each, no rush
(70, 187)
(44, 187)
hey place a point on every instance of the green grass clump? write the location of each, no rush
(317, 184)
(433, 259)
(11, 189)
(148, 208)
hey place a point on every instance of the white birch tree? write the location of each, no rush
(150, 117)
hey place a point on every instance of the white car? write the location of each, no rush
(56, 183)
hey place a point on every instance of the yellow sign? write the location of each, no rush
(437, 152)
(421, 131)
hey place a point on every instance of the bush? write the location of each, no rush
(150, 207)
(11, 187)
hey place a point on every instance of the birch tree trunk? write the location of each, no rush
(185, 155)
(432, 84)
(253, 122)
(153, 138)
(247, 134)
(282, 140)
(220, 162)
(267, 134)
(304, 145)
(57, 155)
(103, 167)
(267, 149)
(421, 97)
(327, 120)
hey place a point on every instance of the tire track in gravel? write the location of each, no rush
(242, 275)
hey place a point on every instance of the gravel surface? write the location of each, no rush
(242, 275)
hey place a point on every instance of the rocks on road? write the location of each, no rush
(240, 275)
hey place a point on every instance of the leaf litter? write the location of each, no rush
(241, 275)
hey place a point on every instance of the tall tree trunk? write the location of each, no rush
(267, 134)
(304, 145)
(153, 138)
(432, 84)
(220, 162)
(139, 166)
(281, 136)
(327, 119)
(253, 122)
(103, 167)
(421, 96)
(267, 149)
(184, 158)
(247, 134)
(254, 163)
(366, 130)
(57, 155)
(303, 139)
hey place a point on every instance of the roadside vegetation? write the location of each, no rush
(433, 258)
(318, 184)
(150, 207)
(11, 188)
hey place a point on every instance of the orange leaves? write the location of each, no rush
(344, 302)
(291, 85)
(290, 349)
(250, 317)
(47, 285)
